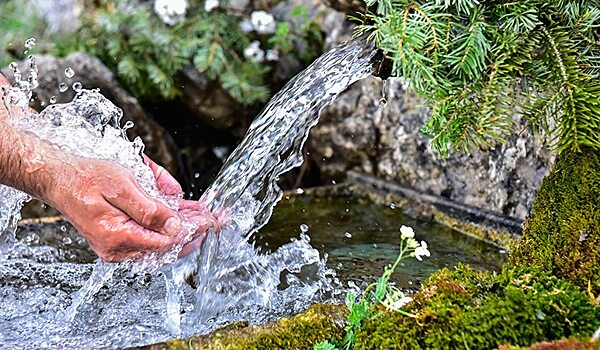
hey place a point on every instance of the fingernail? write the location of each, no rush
(172, 226)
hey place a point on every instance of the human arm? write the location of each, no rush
(101, 199)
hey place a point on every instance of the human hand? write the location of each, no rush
(192, 211)
(108, 207)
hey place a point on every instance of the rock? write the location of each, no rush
(61, 16)
(357, 133)
(562, 233)
(207, 100)
(351, 7)
(91, 73)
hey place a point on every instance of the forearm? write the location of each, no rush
(24, 158)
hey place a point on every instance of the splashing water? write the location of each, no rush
(228, 279)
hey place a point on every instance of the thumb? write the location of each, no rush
(148, 212)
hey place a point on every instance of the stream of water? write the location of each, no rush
(125, 304)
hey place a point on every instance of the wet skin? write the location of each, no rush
(101, 199)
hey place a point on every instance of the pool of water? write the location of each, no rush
(361, 238)
(40, 273)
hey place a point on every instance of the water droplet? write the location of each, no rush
(333, 182)
(29, 42)
(53, 99)
(392, 206)
(299, 191)
(63, 87)
(77, 86)
(67, 240)
(63, 228)
(128, 125)
(69, 72)
(304, 228)
(348, 234)
(196, 175)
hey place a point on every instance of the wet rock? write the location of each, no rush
(92, 73)
(357, 132)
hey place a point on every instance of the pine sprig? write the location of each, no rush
(478, 62)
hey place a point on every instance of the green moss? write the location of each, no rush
(562, 233)
(480, 310)
(500, 238)
(320, 322)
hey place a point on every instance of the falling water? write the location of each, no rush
(228, 279)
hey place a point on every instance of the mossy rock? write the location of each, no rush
(563, 344)
(320, 322)
(469, 309)
(562, 233)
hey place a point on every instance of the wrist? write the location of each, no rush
(28, 163)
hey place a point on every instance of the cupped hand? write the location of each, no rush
(115, 215)
(192, 211)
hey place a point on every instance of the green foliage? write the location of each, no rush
(148, 55)
(325, 345)
(379, 295)
(477, 62)
(16, 27)
(301, 31)
(562, 233)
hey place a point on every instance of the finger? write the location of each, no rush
(130, 237)
(165, 182)
(193, 245)
(146, 211)
(192, 205)
(200, 221)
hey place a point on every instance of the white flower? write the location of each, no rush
(406, 232)
(262, 22)
(171, 12)
(422, 251)
(272, 55)
(395, 301)
(210, 5)
(246, 26)
(254, 53)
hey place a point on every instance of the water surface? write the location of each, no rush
(361, 238)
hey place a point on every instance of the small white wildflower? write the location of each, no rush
(254, 53)
(422, 251)
(171, 12)
(406, 232)
(246, 26)
(395, 301)
(262, 22)
(210, 5)
(272, 55)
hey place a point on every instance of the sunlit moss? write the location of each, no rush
(562, 233)
(471, 309)
(318, 323)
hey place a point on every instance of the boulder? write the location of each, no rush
(361, 132)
